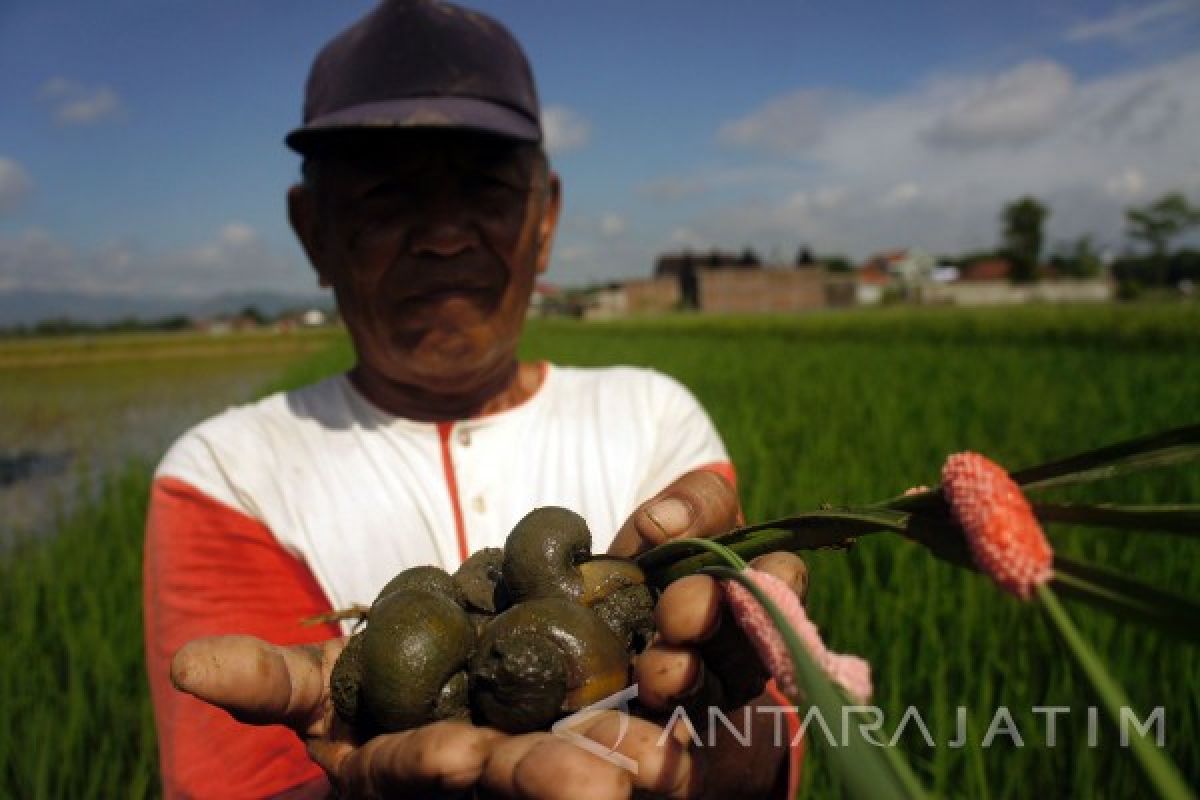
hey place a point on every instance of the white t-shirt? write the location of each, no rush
(358, 494)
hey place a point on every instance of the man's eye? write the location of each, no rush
(494, 186)
(385, 190)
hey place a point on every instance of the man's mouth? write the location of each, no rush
(436, 294)
(435, 284)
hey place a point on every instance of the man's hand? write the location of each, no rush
(260, 683)
(698, 505)
(673, 670)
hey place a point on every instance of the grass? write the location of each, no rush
(77, 720)
(838, 408)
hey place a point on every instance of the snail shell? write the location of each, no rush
(542, 554)
(414, 653)
(542, 658)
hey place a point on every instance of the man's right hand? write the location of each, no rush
(260, 683)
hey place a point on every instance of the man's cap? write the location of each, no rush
(419, 64)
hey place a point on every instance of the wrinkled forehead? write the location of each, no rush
(368, 152)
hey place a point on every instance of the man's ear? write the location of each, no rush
(548, 222)
(302, 214)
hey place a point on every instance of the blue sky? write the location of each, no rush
(140, 142)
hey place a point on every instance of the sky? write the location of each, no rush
(141, 140)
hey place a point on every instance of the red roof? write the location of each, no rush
(989, 269)
(873, 273)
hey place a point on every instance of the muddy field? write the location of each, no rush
(71, 409)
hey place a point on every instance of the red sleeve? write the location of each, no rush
(723, 468)
(209, 570)
(796, 751)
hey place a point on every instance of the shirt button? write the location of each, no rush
(478, 504)
(464, 437)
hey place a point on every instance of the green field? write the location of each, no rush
(838, 408)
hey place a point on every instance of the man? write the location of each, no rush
(428, 207)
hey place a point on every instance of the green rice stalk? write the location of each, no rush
(1160, 770)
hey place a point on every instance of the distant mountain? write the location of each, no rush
(26, 306)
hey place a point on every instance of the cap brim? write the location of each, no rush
(417, 112)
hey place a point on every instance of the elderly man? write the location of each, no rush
(429, 208)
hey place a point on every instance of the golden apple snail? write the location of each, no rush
(516, 637)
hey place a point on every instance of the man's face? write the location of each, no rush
(431, 242)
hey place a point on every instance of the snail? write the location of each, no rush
(515, 638)
(548, 554)
(408, 667)
(483, 591)
(542, 658)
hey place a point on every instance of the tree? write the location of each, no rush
(1078, 259)
(253, 314)
(749, 258)
(1023, 219)
(836, 263)
(1156, 225)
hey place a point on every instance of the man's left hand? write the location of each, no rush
(672, 671)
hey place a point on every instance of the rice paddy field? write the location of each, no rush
(844, 409)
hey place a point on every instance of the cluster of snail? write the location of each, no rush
(514, 639)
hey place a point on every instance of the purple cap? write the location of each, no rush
(419, 64)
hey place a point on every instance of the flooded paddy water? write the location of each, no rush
(72, 409)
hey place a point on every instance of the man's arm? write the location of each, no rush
(210, 569)
(264, 684)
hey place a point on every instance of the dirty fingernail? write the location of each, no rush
(671, 515)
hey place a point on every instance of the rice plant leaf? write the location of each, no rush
(867, 771)
(811, 531)
(942, 537)
(922, 502)
(678, 549)
(1128, 598)
(1175, 446)
(1184, 519)
(1159, 769)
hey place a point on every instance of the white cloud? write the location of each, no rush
(73, 103)
(829, 197)
(1011, 108)
(237, 234)
(1131, 21)
(612, 224)
(1129, 183)
(234, 259)
(900, 194)
(670, 188)
(933, 164)
(565, 130)
(15, 185)
(788, 124)
(685, 237)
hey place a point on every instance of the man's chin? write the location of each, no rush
(453, 364)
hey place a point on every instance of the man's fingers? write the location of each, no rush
(257, 682)
(688, 610)
(788, 567)
(700, 504)
(666, 674)
(548, 767)
(441, 757)
(664, 767)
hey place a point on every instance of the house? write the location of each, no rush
(904, 272)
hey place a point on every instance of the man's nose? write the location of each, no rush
(446, 227)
